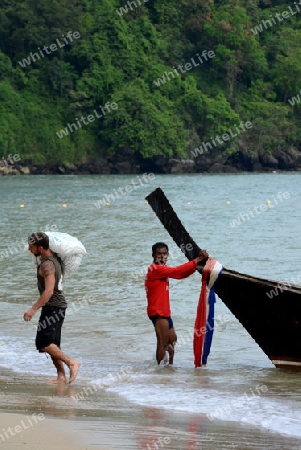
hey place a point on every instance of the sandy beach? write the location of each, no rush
(113, 433)
(38, 416)
(37, 432)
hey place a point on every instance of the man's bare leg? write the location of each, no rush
(171, 344)
(162, 333)
(57, 355)
(61, 376)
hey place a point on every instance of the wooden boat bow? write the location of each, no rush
(267, 309)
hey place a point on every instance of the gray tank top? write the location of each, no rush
(58, 298)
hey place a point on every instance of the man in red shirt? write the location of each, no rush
(157, 292)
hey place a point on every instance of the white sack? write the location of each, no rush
(67, 247)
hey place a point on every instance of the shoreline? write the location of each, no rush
(196, 161)
(20, 430)
(150, 429)
(42, 415)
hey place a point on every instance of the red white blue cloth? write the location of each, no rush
(204, 323)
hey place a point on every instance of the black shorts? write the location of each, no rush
(169, 319)
(50, 326)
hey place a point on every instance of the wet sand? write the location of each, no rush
(37, 432)
(36, 416)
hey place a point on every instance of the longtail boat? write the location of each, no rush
(268, 310)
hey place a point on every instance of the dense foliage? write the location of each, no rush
(131, 58)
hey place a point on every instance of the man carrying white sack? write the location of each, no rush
(50, 273)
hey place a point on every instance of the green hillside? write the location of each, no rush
(92, 78)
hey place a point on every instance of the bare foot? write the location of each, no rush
(58, 381)
(74, 368)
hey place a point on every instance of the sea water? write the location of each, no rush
(248, 222)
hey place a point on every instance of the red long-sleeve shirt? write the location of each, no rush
(157, 285)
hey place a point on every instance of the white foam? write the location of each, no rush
(254, 410)
(15, 356)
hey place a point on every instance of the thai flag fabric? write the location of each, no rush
(204, 323)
